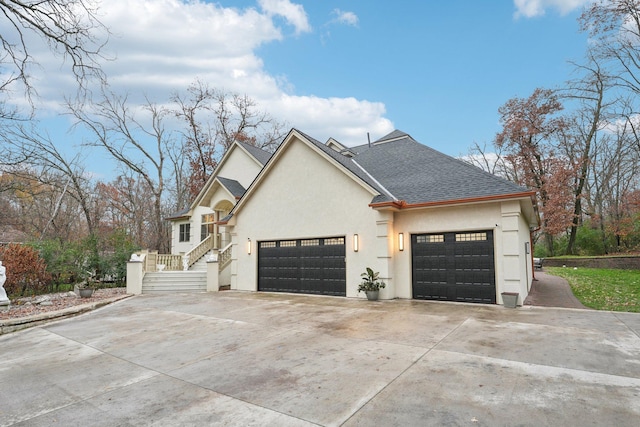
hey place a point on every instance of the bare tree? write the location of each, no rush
(139, 146)
(70, 28)
(214, 120)
(583, 125)
(491, 160)
(55, 169)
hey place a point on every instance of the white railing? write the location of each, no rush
(167, 262)
(225, 257)
(198, 252)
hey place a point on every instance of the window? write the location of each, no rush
(310, 242)
(267, 244)
(208, 226)
(430, 238)
(288, 243)
(334, 241)
(471, 237)
(185, 232)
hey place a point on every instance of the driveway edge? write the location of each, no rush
(13, 325)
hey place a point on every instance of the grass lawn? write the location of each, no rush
(603, 289)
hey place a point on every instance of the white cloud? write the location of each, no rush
(293, 13)
(533, 8)
(346, 119)
(343, 17)
(162, 46)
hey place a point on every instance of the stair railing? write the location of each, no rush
(225, 257)
(198, 252)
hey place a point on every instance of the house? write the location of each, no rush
(311, 218)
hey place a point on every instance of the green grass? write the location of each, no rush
(603, 289)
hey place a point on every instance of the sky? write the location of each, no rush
(437, 70)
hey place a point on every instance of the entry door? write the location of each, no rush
(308, 266)
(454, 266)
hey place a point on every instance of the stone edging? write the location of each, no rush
(12, 325)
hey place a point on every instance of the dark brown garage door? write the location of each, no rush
(454, 266)
(307, 266)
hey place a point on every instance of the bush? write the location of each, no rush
(103, 258)
(589, 241)
(121, 247)
(64, 261)
(26, 271)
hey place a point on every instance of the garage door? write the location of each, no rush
(454, 266)
(307, 266)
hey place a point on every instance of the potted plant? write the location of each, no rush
(85, 288)
(371, 284)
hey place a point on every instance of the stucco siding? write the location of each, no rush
(239, 166)
(177, 246)
(305, 197)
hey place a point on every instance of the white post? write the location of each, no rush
(212, 273)
(135, 274)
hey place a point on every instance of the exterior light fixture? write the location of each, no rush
(248, 246)
(356, 243)
(401, 241)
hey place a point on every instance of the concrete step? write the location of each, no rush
(174, 281)
(201, 264)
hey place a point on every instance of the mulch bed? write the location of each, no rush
(29, 306)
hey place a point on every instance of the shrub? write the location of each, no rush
(26, 271)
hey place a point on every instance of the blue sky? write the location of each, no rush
(438, 70)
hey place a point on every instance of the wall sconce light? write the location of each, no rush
(248, 246)
(356, 243)
(401, 241)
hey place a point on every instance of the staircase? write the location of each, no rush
(200, 264)
(174, 281)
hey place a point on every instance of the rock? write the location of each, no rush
(46, 303)
(71, 294)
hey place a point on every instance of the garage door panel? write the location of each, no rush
(454, 266)
(310, 266)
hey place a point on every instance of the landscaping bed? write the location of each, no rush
(29, 306)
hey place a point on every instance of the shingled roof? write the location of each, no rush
(258, 153)
(233, 186)
(416, 174)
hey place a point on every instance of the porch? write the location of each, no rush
(204, 268)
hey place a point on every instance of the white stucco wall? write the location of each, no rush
(305, 196)
(239, 166)
(178, 247)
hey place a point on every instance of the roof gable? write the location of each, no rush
(341, 162)
(258, 156)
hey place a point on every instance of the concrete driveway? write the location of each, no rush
(243, 359)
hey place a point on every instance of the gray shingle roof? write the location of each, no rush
(178, 215)
(417, 174)
(259, 154)
(233, 186)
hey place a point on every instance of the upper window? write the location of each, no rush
(185, 232)
(471, 237)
